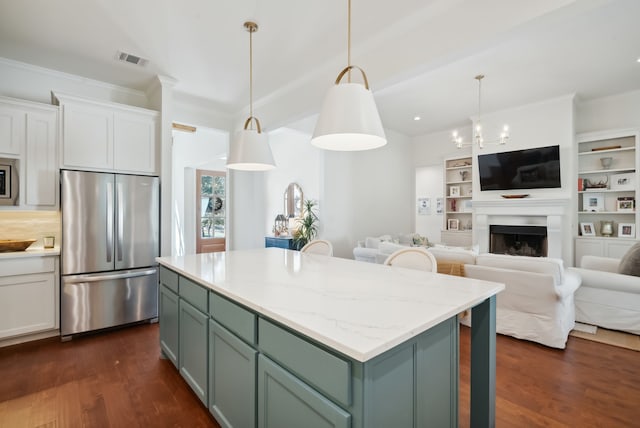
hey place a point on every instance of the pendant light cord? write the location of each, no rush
(251, 30)
(349, 40)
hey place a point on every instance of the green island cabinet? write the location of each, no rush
(251, 371)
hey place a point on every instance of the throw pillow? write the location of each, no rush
(630, 262)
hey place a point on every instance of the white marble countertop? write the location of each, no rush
(359, 309)
(31, 252)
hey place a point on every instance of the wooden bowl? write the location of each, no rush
(7, 245)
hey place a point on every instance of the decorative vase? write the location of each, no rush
(606, 162)
(606, 228)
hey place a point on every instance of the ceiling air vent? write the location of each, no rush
(131, 59)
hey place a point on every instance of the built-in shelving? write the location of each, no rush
(609, 159)
(458, 214)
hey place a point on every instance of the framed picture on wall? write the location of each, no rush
(587, 229)
(452, 224)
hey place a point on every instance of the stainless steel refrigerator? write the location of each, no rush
(110, 239)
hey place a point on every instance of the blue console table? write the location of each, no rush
(285, 242)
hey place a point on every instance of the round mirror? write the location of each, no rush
(293, 201)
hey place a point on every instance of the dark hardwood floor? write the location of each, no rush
(116, 379)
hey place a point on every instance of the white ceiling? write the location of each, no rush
(420, 55)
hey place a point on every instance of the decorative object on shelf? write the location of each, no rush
(454, 207)
(622, 181)
(519, 196)
(626, 204)
(349, 119)
(477, 134)
(454, 191)
(280, 226)
(453, 223)
(580, 184)
(592, 184)
(250, 151)
(587, 229)
(593, 202)
(467, 206)
(597, 149)
(307, 228)
(49, 241)
(606, 162)
(626, 230)
(464, 175)
(606, 228)
(424, 206)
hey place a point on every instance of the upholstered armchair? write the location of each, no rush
(608, 298)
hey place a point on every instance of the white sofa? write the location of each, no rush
(377, 249)
(538, 301)
(607, 298)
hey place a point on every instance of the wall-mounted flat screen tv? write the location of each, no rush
(536, 168)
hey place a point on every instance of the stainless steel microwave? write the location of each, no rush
(9, 182)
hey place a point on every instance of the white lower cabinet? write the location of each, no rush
(603, 247)
(28, 295)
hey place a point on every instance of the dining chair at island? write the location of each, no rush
(318, 246)
(413, 258)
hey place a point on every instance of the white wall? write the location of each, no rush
(367, 193)
(28, 82)
(613, 112)
(429, 184)
(297, 161)
(198, 150)
(428, 154)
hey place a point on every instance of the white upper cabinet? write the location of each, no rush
(12, 123)
(41, 164)
(28, 133)
(107, 136)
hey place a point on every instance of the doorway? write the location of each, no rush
(211, 207)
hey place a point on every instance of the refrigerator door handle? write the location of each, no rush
(100, 277)
(119, 222)
(109, 221)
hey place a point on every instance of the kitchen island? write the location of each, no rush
(276, 338)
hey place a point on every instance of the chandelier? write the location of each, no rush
(478, 138)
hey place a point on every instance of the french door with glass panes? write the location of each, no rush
(211, 211)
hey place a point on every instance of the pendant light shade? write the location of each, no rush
(250, 150)
(349, 119)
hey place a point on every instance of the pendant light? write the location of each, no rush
(349, 119)
(250, 151)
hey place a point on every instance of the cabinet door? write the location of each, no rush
(591, 247)
(193, 327)
(232, 378)
(286, 401)
(87, 136)
(12, 122)
(134, 139)
(169, 324)
(41, 162)
(27, 304)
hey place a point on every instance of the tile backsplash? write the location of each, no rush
(30, 225)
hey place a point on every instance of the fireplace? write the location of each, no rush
(518, 240)
(554, 214)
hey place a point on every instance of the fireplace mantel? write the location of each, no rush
(552, 213)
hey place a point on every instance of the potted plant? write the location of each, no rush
(307, 226)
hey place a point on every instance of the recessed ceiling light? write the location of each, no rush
(416, 118)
